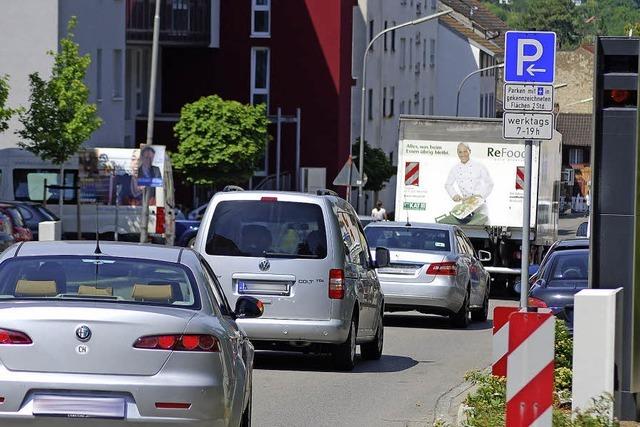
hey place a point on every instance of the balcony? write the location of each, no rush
(182, 22)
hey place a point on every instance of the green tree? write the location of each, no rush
(220, 142)
(559, 16)
(5, 112)
(377, 166)
(59, 118)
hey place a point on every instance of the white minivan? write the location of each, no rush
(109, 188)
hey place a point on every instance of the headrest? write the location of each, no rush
(94, 290)
(36, 288)
(152, 292)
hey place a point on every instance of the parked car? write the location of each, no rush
(21, 232)
(559, 245)
(433, 269)
(197, 213)
(6, 232)
(128, 320)
(564, 274)
(306, 258)
(186, 232)
(33, 214)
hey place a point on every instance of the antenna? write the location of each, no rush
(408, 224)
(97, 251)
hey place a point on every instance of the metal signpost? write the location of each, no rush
(529, 73)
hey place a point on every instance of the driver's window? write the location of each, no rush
(215, 289)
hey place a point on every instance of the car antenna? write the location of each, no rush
(408, 224)
(97, 251)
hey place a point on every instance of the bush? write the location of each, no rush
(563, 368)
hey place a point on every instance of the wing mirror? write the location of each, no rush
(383, 257)
(248, 308)
(484, 256)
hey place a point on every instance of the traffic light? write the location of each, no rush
(615, 242)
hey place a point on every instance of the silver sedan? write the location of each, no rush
(433, 269)
(119, 334)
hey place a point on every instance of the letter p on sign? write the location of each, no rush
(530, 57)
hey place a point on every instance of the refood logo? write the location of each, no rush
(504, 152)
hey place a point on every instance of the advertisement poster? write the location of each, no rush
(474, 184)
(111, 176)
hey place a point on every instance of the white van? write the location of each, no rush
(110, 190)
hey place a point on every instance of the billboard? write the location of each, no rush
(463, 183)
(110, 176)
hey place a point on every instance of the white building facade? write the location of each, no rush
(416, 70)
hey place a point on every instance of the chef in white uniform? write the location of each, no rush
(468, 178)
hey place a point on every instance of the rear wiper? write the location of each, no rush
(286, 255)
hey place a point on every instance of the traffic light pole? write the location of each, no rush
(526, 225)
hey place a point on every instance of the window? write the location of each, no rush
(384, 102)
(215, 290)
(391, 100)
(491, 106)
(260, 76)
(481, 105)
(431, 106)
(351, 236)
(28, 185)
(393, 38)
(117, 73)
(486, 105)
(434, 4)
(576, 155)
(404, 238)
(424, 53)
(385, 36)
(409, 106)
(391, 157)
(410, 52)
(370, 105)
(402, 107)
(424, 106)
(371, 32)
(403, 53)
(255, 228)
(432, 52)
(260, 18)
(99, 75)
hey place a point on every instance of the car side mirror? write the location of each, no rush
(248, 308)
(383, 257)
(582, 230)
(484, 256)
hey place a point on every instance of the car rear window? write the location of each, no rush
(136, 281)
(570, 267)
(405, 238)
(267, 228)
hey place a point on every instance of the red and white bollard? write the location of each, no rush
(530, 369)
(501, 339)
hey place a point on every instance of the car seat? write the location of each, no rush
(51, 270)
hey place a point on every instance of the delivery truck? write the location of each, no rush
(461, 171)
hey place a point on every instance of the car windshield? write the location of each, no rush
(138, 281)
(409, 238)
(569, 267)
(50, 216)
(267, 228)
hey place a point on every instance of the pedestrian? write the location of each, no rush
(379, 213)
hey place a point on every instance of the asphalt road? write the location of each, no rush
(423, 359)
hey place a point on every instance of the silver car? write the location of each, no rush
(433, 269)
(122, 334)
(306, 258)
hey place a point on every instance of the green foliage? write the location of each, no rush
(221, 141)
(550, 15)
(563, 357)
(59, 118)
(487, 403)
(377, 166)
(5, 112)
(598, 415)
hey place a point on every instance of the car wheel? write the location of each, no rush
(191, 243)
(246, 416)
(373, 350)
(344, 355)
(482, 313)
(463, 317)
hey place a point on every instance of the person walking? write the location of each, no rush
(379, 213)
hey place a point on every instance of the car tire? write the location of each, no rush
(191, 243)
(462, 318)
(373, 350)
(246, 415)
(344, 355)
(481, 314)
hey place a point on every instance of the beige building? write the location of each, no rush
(575, 69)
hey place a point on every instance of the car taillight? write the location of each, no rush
(336, 284)
(14, 337)
(536, 302)
(196, 342)
(160, 221)
(443, 269)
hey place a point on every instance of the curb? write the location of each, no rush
(450, 405)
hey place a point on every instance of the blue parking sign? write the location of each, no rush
(530, 57)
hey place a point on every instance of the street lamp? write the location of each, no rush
(364, 95)
(467, 78)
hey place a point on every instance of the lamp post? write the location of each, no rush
(364, 94)
(152, 108)
(467, 78)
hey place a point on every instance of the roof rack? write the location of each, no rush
(230, 188)
(325, 192)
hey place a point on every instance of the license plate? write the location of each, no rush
(263, 288)
(79, 407)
